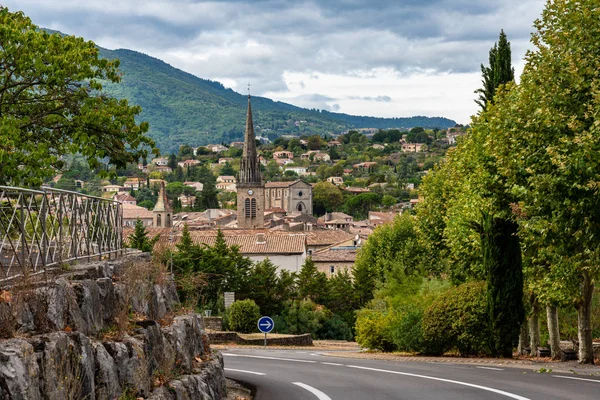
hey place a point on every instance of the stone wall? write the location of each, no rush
(67, 345)
(213, 323)
(233, 337)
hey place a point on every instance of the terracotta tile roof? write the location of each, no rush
(131, 211)
(335, 255)
(279, 184)
(382, 216)
(326, 237)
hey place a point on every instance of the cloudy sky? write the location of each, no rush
(383, 58)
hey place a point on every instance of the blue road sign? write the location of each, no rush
(265, 324)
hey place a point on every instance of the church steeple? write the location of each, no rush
(250, 189)
(249, 167)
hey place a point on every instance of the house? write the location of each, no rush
(226, 179)
(334, 143)
(284, 161)
(160, 161)
(156, 183)
(319, 239)
(412, 147)
(188, 163)
(237, 145)
(347, 171)
(335, 260)
(131, 213)
(336, 180)
(291, 196)
(336, 220)
(225, 160)
(125, 198)
(356, 190)
(263, 160)
(297, 170)
(377, 184)
(283, 154)
(113, 188)
(226, 186)
(377, 146)
(186, 201)
(216, 148)
(322, 157)
(134, 183)
(196, 185)
(143, 168)
(378, 218)
(286, 251)
(165, 169)
(364, 165)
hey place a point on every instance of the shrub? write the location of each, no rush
(243, 316)
(406, 331)
(459, 320)
(300, 317)
(373, 329)
(335, 328)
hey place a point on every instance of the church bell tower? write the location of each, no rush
(250, 188)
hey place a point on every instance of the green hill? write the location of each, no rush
(184, 109)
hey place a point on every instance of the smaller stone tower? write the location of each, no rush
(162, 213)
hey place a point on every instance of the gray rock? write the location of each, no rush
(88, 299)
(19, 371)
(106, 374)
(185, 337)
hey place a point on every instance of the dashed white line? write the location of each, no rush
(489, 389)
(315, 354)
(579, 379)
(244, 371)
(328, 363)
(269, 358)
(320, 395)
(493, 369)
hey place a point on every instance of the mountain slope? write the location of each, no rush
(184, 109)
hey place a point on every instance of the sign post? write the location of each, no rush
(266, 325)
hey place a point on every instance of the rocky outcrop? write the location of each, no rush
(65, 357)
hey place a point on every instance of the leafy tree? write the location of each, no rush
(312, 284)
(315, 142)
(51, 105)
(172, 161)
(208, 197)
(360, 205)
(499, 72)
(341, 299)
(265, 288)
(227, 169)
(139, 238)
(326, 198)
(174, 189)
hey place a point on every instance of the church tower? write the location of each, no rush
(162, 212)
(250, 188)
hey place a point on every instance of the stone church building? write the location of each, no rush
(254, 197)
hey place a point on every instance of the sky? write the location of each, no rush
(380, 58)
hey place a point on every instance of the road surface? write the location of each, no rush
(305, 375)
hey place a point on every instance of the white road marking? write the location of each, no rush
(269, 358)
(315, 354)
(489, 389)
(579, 379)
(320, 395)
(493, 369)
(328, 363)
(244, 371)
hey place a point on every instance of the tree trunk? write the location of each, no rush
(523, 336)
(584, 321)
(534, 329)
(552, 314)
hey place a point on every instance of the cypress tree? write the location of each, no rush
(498, 73)
(503, 264)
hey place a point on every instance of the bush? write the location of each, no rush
(406, 331)
(300, 317)
(374, 329)
(457, 320)
(335, 328)
(243, 316)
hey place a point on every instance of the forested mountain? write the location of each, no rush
(184, 109)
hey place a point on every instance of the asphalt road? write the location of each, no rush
(305, 375)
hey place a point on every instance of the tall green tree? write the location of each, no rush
(52, 103)
(138, 239)
(499, 72)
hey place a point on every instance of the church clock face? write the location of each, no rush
(250, 192)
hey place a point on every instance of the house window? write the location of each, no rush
(253, 208)
(310, 252)
(331, 269)
(247, 208)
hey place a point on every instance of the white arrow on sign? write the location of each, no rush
(266, 324)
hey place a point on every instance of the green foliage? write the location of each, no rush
(360, 205)
(457, 320)
(138, 239)
(302, 316)
(373, 330)
(499, 72)
(311, 283)
(335, 328)
(51, 106)
(267, 288)
(243, 315)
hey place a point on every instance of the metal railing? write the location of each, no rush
(47, 228)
